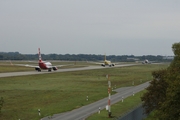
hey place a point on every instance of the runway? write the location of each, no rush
(59, 70)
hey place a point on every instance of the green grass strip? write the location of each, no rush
(62, 92)
(119, 109)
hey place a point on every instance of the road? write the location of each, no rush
(85, 111)
(59, 70)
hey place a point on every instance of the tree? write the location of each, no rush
(164, 91)
(170, 108)
(156, 92)
(163, 94)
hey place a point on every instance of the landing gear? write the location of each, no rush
(49, 70)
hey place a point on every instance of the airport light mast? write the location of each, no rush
(109, 100)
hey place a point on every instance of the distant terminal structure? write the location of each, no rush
(132, 59)
(168, 57)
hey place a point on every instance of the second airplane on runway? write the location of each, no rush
(105, 63)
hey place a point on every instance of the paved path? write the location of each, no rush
(85, 111)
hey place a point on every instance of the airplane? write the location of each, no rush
(146, 62)
(42, 65)
(105, 63)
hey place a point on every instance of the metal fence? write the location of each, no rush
(135, 114)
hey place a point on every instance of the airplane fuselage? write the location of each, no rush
(45, 65)
(146, 62)
(108, 63)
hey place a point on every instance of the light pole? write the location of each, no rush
(109, 100)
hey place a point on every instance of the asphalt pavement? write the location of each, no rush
(9, 74)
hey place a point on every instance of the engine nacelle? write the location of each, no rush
(38, 69)
(103, 65)
(55, 68)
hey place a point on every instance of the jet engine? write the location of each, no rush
(55, 68)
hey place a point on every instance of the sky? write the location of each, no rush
(111, 27)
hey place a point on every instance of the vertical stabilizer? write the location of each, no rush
(105, 57)
(11, 62)
(40, 59)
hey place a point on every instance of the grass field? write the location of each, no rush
(119, 109)
(60, 92)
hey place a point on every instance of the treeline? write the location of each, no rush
(80, 57)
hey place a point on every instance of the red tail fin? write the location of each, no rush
(39, 55)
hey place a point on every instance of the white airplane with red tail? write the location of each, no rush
(42, 65)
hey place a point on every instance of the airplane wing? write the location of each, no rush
(35, 66)
(95, 62)
(26, 65)
(98, 63)
(63, 65)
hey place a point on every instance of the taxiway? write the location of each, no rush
(59, 70)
